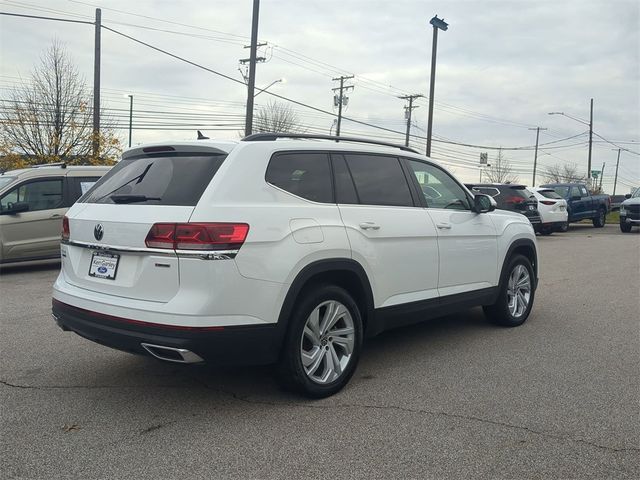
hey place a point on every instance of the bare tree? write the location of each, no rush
(567, 173)
(500, 170)
(49, 117)
(278, 118)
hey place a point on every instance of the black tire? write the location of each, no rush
(546, 231)
(599, 221)
(564, 227)
(625, 227)
(291, 372)
(499, 313)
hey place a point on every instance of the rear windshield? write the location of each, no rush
(512, 195)
(549, 194)
(159, 179)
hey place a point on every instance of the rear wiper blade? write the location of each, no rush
(131, 198)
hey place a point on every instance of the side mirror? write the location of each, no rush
(14, 208)
(628, 195)
(483, 203)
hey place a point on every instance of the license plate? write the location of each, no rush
(531, 207)
(104, 265)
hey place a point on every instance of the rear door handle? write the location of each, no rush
(369, 226)
(56, 215)
(444, 226)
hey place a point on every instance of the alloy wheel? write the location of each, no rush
(518, 291)
(327, 342)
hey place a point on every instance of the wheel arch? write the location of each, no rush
(522, 246)
(343, 272)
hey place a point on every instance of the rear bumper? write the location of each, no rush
(234, 345)
(553, 226)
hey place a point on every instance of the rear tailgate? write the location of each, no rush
(106, 249)
(130, 270)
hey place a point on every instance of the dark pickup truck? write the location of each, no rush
(581, 204)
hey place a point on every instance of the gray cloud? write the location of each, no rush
(512, 61)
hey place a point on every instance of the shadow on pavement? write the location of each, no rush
(42, 266)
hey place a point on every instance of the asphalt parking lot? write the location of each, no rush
(450, 398)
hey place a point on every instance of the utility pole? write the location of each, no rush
(590, 139)
(601, 175)
(96, 86)
(535, 156)
(251, 84)
(615, 180)
(245, 61)
(438, 23)
(340, 99)
(130, 118)
(407, 113)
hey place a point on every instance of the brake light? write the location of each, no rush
(197, 236)
(66, 232)
(514, 199)
(547, 202)
(161, 235)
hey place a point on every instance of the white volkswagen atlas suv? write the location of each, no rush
(284, 249)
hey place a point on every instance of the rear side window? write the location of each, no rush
(306, 175)
(549, 194)
(168, 179)
(379, 180)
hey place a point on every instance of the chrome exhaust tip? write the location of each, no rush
(171, 354)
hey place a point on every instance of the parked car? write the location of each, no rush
(515, 198)
(32, 203)
(581, 205)
(630, 211)
(283, 250)
(553, 211)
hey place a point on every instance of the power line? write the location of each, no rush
(38, 17)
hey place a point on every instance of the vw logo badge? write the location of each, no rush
(98, 232)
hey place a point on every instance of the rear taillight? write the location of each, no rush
(197, 236)
(514, 199)
(547, 202)
(65, 228)
(161, 235)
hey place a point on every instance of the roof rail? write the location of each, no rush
(58, 164)
(265, 137)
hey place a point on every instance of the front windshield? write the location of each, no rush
(4, 181)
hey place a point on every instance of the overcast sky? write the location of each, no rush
(502, 66)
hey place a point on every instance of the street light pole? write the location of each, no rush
(130, 118)
(260, 90)
(590, 125)
(438, 23)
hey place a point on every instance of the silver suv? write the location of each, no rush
(32, 203)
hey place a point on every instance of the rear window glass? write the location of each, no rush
(549, 194)
(175, 179)
(306, 175)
